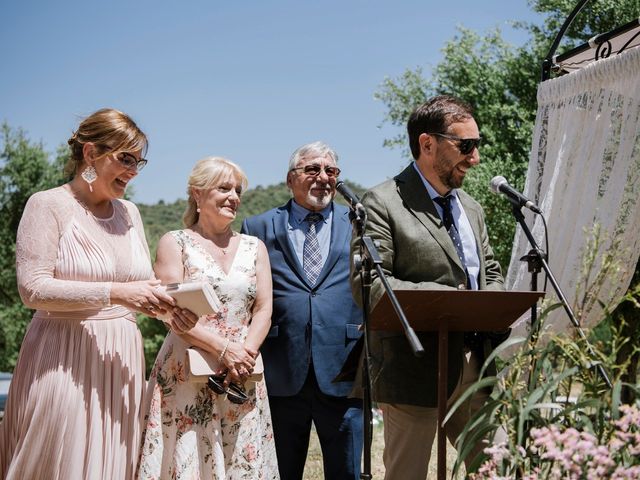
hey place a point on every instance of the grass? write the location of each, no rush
(313, 469)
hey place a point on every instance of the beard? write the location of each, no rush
(321, 200)
(448, 175)
(451, 180)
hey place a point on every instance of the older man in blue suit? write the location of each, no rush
(315, 321)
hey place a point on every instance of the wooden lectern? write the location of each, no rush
(443, 311)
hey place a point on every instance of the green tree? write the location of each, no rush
(594, 18)
(24, 169)
(501, 81)
(478, 70)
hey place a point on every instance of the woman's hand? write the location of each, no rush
(252, 351)
(182, 320)
(239, 362)
(142, 296)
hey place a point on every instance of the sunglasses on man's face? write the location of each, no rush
(465, 145)
(129, 161)
(235, 393)
(314, 170)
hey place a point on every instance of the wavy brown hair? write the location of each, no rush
(111, 131)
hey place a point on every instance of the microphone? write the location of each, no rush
(499, 184)
(350, 197)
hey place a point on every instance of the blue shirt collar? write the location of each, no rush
(298, 213)
(432, 191)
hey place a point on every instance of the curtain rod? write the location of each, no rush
(600, 39)
(551, 61)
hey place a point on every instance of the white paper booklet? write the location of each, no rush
(199, 297)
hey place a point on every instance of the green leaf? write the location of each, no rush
(483, 383)
(509, 342)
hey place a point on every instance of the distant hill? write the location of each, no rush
(163, 217)
(160, 218)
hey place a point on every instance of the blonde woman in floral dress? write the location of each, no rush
(191, 431)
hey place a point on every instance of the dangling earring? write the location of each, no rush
(198, 208)
(89, 175)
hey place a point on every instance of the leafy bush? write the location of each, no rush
(551, 415)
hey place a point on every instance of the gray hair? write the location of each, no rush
(315, 149)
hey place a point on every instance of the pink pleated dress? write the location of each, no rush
(74, 403)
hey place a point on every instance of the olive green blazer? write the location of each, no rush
(417, 253)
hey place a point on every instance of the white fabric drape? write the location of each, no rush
(584, 173)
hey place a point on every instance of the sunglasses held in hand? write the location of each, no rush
(235, 393)
(465, 145)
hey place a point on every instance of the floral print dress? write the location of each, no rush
(190, 431)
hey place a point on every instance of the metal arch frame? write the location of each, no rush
(547, 63)
(601, 42)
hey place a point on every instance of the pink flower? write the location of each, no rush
(250, 453)
(183, 422)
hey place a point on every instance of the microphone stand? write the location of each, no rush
(364, 264)
(534, 266)
(540, 258)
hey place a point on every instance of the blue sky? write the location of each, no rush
(246, 80)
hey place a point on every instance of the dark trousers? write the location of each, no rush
(338, 422)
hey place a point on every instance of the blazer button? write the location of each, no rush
(462, 286)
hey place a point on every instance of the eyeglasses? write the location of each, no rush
(465, 145)
(235, 393)
(314, 170)
(129, 161)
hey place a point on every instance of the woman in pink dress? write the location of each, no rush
(195, 430)
(83, 264)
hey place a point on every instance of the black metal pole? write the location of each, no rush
(517, 212)
(367, 417)
(547, 63)
(362, 265)
(371, 252)
(369, 258)
(534, 267)
(367, 261)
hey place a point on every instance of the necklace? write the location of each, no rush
(224, 250)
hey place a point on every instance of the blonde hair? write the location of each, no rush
(111, 131)
(208, 173)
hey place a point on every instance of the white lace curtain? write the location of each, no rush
(584, 172)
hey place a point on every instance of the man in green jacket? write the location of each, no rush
(432, 235)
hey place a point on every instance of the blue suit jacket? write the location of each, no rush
(308, 323)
